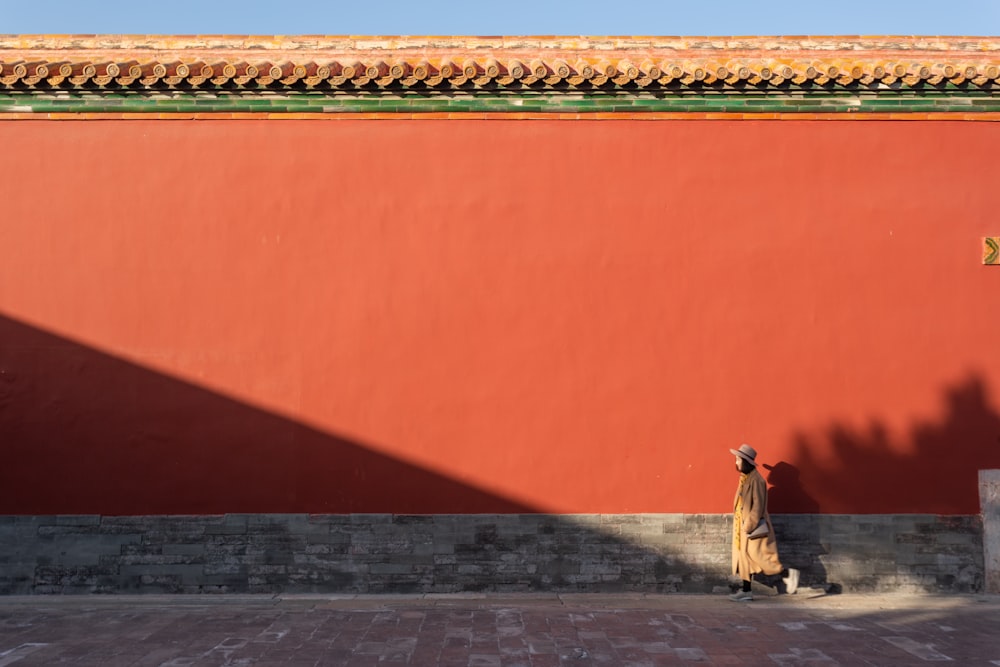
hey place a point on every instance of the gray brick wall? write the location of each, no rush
(989, 501)
(376, 553)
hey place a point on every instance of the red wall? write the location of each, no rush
(463, 316)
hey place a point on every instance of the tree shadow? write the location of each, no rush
(932, 469)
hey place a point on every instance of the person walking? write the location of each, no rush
(755, 550)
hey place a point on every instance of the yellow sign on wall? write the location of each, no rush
(991, 250)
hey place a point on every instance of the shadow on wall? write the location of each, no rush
(932, 471)
(223, 496)
(117, 478)
(87, 433)
(800, 541)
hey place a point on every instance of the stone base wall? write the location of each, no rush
(384, 553)
(989, 502)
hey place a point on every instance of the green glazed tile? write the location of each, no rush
(823, 100)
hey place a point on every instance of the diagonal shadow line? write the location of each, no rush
(88, 433)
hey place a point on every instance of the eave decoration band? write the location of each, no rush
(87, 69)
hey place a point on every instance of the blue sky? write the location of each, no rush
(507, 17)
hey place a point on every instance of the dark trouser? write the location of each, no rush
(746, 582)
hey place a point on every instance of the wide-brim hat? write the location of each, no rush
(747, 453)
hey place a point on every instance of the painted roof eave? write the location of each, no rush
(151, 61)
(90, 68)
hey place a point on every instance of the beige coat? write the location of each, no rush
(760, 555)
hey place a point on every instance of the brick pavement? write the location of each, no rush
(499, 630)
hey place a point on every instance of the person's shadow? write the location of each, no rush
(798, 537)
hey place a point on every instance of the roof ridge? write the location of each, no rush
(852, 43)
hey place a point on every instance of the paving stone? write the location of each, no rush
(498, 630)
